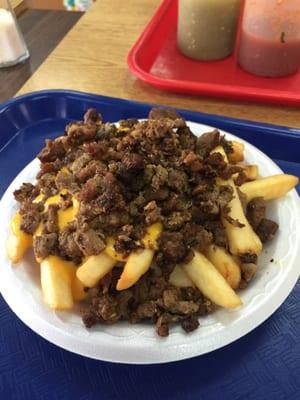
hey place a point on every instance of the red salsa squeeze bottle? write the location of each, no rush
(270, 37)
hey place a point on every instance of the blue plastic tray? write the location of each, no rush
(264, 364)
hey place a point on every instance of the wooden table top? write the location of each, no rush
(92, 58)
(41, 39)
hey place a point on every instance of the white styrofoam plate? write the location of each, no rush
(139, 343)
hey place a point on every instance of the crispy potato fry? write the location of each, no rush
(238, 152)
(111, 251)
(225, 264)
(56, 281)
(15, 248)
(152, 235)
(94, 269)
(179, 278)
(250, 171)
(241, 239)
(18, 241)
(77, 288)
(271, 187)
(137, 264)
(210, 282)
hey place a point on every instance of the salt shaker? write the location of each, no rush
(207, 28)
(270, 37)
(12, 45)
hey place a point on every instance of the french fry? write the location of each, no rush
(237, 154)
(241, 239)
(111, 251)
(18, 241)
(77, 288)
(179, 278)
(94, 269)
(210, 282)
(137, 264)
(271, 187)
(56, 281)
(139, 261)
(225, 264)
(152, 235)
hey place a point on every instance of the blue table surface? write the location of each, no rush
(265, 364)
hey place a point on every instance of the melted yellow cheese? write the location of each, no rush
(38, 198)
(149, 241)
(64, 216)
(55, 199)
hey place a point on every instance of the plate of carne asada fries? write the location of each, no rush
(148, 241)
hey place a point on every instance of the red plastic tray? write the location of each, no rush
(155, 59)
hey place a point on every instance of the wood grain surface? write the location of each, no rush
(41, 38)
(92, 58)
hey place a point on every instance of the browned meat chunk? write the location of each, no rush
(218, 231)
(52, 219)
(97, 150)
(189, 324)
(193, 162)
(130, 166)
(91, 189)
(92, 117)
(45, 245)
(89, 242)
(78, 132)
(26, 192)
(146, 310)
(66, 180)
(152, 213)
(248, 258)
(266, 229)
(160, 177)
(107, 308)
(46, 185)
(248, 271)
(89, 319)
(197, 237)
(30, 216)
(178, 180)
(68, 247)
(93, 168)
(171, 245)
(256, 211)
(207, 142)
(177, 219)
(125, 244)
(53, 150)
(163, 322)
(162, 113)
(80, 163)
(173, 304)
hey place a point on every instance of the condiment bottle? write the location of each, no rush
(207, 28)
(12, 45)
(270, 37)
